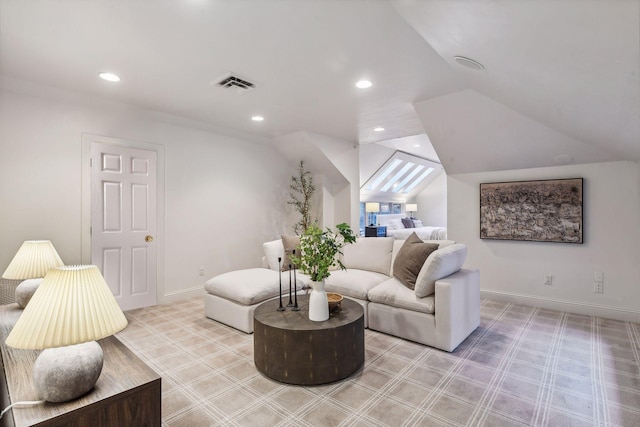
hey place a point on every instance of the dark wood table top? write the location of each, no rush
(267, 314)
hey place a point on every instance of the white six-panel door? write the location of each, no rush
(123, 221)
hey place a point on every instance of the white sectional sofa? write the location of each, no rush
(441, 312)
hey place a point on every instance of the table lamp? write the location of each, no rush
(372, 207)
(31, 262)
(411, 207)
(72, 307)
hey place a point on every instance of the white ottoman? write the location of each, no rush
(232, 297)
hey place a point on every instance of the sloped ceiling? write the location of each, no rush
(561, 77)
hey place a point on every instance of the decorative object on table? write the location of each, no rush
(319, 252)
(335, 300)
(411, 208)
(302, 190)
(72, 308)
(540, 211)
(280, 307)
(31, 262)
(290, 303)
(295, 286)
(371, 208)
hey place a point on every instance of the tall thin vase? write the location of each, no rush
(318, 304)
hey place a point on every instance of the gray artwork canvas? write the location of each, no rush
(541, 211)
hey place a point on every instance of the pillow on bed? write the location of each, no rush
(407, 223)
(417, 223)
(410, 259)
(395, 224)
(290, 243)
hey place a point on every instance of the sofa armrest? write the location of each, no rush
(457, 307)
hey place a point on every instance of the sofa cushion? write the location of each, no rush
(410, 259)
(247, 287)
(353, 282)
(397, 244)
(392, 292)
(416, 223)
(289, 243)
(272, 250)
(368, 253)
(439, 264)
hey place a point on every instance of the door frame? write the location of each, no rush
(85, 232)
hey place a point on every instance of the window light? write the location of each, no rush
(397, 176)
(408, 178)
(384, 174)
(417, 181)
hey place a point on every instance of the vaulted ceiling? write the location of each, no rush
(561, 81)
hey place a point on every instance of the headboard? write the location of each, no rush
(384, 218)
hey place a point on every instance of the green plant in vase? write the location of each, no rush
(319, 250)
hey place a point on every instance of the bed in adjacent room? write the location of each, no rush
(400, 227)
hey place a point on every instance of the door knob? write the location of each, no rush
(148, 238)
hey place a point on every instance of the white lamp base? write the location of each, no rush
(64, 373)
(25, 290)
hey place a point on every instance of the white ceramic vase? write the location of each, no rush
(318, 304)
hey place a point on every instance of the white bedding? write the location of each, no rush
(424, 233)
(396, 230)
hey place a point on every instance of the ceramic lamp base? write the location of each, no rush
(65, 373)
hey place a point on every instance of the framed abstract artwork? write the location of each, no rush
(538, 211)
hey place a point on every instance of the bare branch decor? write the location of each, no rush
(541, 211)
(302, 189)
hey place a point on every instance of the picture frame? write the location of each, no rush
(537, 211)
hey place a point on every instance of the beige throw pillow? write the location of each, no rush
(410, 258)
(290, 243)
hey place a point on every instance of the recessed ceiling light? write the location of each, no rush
(257, 118)
(363, 84)
(110, 77)
(469, 63)
(416, 145)
(379, 129)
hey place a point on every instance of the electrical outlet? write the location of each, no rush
(202, 271)
(598, 276)
(548, 280)
(597, 287)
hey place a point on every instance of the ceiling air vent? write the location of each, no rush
(232, 81)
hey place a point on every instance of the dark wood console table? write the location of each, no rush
(127, 393)
(292, 349)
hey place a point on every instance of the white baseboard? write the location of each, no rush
(181, 294)
(605, 311)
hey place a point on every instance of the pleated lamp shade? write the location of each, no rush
(73, 305)
(32, 261)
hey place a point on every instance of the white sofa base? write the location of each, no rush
(457, 314)
(230, 313)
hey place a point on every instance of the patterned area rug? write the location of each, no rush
(522, 367)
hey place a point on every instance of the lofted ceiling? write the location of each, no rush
(561, 81)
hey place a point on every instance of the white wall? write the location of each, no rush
(224, 196)
(432, 203)
(516, 271)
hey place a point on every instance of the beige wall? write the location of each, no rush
(516, 270)
(224, 195)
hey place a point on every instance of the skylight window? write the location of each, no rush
(408, 178)
(401, 177)
(394, 181)
(417, 181)
(379, 178)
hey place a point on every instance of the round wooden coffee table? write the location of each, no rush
(292, 349)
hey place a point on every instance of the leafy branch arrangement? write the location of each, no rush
(302, 189)
(319, 250)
